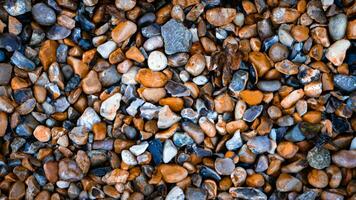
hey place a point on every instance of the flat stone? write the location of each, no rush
(234, 142)
(177, 38)
(116, 176)
(345, 158)
(259, 144)
(224, 166)
(57, 32)
(110, 106)
(123, 31)
(247, 193)
(252, 113)
(173, 173)
(220, 16)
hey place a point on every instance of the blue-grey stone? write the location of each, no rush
(247, 193)
(22, 62)
(269, 86)
(239, 81)
(10, 42)
(17, 7)
(57, 32)
(177, 38)
(252, 113)
(182, 139)
(295, 134)
(61, 53)
(344, 82)
(156, 149)
(43, 14)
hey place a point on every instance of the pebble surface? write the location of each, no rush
(178, 99)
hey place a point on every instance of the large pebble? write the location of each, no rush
(22, 62)
(157, 61)
(43, 14)
(166, 118)
(177, 38)
(17, 7)
(5, 73)
(337, 26)
(176, 193)
(173, 173)
(110, 106)
(344, 82)
(336, 52)
(88, 118)
(345, 158)
(106, 48)
(169, 151)
(220, 16)
(123, 31)
(224, 166)
(149, 78)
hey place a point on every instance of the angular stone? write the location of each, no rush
(166, 118)
(220, 16)
(110, 106)
(5, 73)
(22, 62)
(177, 38)
(88, 118)
(336, 52)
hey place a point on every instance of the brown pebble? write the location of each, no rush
(42, 133)
(287, 149)
(220, 16)
(318, 178)
(91, 83)
(223, 103)
(149, 78)
(123, 31)
(173, 173)
(251, 97)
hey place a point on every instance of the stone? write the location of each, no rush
(57, 32)
(123, 31)
(285, 37)
(48, 53)
(345, 158)
(125, 5)
(234, 142)
(195, 193)
(269, 86)
(224, 166)
(116, 176)
(251, 97)
(278, 52)
(157, 61)
(17, 190)
(169, 151)
(316, 12)
(172, 173)
(292, 98)
(88, 118)
(109, 107)
(247, 193)
(153, 43)
(345, 83)
(42, 133)
(79, 135)
(223, 103)
(68, 170)
(176, 193)
(177, 38)
(139, 148)
(43, 14)
(318, 178)
(337, 51)
(196, 64)
(149, 78)
(288, 183)
(91, 83)
(260, 62)
(166, 118)
(282, 15)
(177, 89)
(106, 49)
(259, 144)
(17, 7)
(220, 16)
(351, 30)
(337, 26)
(128, 158)
(15, 26)
(287, 67)
(239, 81)
(252, 113)
(22, 61)
(5, 73)
(51, 171)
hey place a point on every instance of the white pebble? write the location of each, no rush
(157, 61)
(106, 48)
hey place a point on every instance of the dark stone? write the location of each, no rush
(177, 89)
(208, 173)
(5, 73)
(177, 38)
(146, 19)
(43, 14)
(319, 158)
(156, 149)
(22, 95)
(269, 86)
(2, 56)
(295, 134)
(248, 193)
(72, 83)
(57, 32)
(151, 30)
(316, 12)
(9, 42)
(61, 53)
(345, 83)
(195, 194)
(85, 24)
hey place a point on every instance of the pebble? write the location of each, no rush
(173, 173)
(57, 32)
(177, 38)
(234, 142)
(337, 26)
(43, 14)
(68, 170)
(149, 78)
(269, 86)
(157, 61)
(251, 97)
(278, 52)
(42, 133)
(316, 12)
(292, 98)
(166, 118)
(125, 5)
(247, 193)
(288, 183)
(252, 113)
(88, 118)
(195, 193)
(176, 193)
(345, 83)
(337, 51)
(91, 83)
(284, 15)
(239, 81)
(285, 37)
(220, 16)
(128, 158)
(319, 158)
(224, 166)
(17, 190)
(153, 43)
(259, 144)
(123, 31)
(345, 158)
(109, 107)
(318, 178)
(22, 61)
(5, 73)
(169, 151)
(223, 103)
(106, 49)
(17, 7)
(260, 62)
(196, 64)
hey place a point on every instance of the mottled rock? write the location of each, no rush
(110, 106)
(43, 14)
(177, 38)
